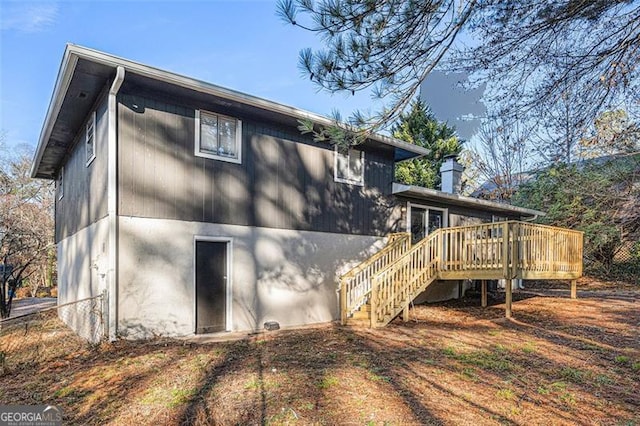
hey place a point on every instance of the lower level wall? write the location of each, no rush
(515, 284)
(440, 291)
(277, 275)
(82, 271)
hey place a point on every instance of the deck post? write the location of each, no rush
(405, 313)
(505, 249)
(343, 301)
(508, 287)
(483, 292)
(574, 289)
(373, 302)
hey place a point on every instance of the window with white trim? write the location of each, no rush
(90, 138)
(60, 184)
(218, 136)
(349, 166)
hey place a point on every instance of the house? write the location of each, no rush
(200, 209)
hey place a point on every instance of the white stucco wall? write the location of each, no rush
(276, 275)
(82, 269)
(82, 263)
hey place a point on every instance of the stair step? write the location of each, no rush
(361, 315)
(365, 308)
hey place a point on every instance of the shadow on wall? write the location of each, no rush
(293, 187)
(282, 275)
(297, 275)
(155, 283)
(285, 183)
(285, 180)
(82, 270)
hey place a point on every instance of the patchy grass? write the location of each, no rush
(529, 348)
(622, 359)
(574, 375)
(507, 394)
(560, 361)
(328, 382)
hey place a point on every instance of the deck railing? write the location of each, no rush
(474, 248)
(393, 277)
(511, 250)
(355, 285)
(548, 252)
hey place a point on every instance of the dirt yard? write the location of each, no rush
(559, 361)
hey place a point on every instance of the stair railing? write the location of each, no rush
(394, 287)
(355, 285)
(393, 277)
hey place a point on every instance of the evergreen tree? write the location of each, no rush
(420, 127)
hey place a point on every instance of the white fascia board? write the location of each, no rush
(67, 68)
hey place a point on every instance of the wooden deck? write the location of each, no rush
(384, 285)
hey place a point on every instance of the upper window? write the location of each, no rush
(349, 166)
(90, 138)
(218, 137)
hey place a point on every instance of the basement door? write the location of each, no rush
(211, 286)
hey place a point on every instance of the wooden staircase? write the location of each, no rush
(361, 317)
(356, 284)
(380, 288)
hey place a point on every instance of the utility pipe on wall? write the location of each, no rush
(112, 201)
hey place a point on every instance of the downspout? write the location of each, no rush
(112, 202)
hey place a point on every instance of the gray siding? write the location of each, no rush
(85, 187)
(285, 180)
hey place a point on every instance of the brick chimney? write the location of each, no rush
(451, 175)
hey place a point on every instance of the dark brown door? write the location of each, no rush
(211, 286)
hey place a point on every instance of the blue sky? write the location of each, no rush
(239, 44)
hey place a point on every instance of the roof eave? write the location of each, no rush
(73, 53)
(67, 68)
(408, 190)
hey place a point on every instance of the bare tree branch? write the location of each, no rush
(529, 52)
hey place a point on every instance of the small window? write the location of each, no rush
(90, 139)
(349, 166)
(60, 184)
(218, 137)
